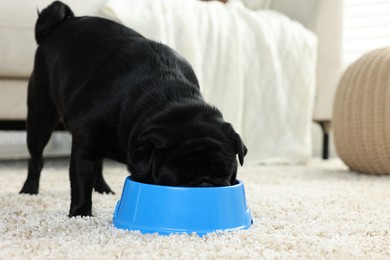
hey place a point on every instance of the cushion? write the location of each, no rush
(361, 114)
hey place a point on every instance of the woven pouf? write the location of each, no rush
(361, 114)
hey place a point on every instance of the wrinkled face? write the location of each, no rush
(166, 159)
(188, 145)
(197, 162)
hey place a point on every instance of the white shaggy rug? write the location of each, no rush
(320, 210)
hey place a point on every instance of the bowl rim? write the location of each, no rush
(238, 184)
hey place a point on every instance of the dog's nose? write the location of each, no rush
(205, 184)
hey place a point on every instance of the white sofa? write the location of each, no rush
(17, 47)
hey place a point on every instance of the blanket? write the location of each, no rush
(257, 67)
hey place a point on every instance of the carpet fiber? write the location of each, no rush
(320, 210)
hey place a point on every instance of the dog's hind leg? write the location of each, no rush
(42, 118)
(100, 184)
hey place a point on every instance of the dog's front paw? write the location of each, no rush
(82, 212)
(30, 187)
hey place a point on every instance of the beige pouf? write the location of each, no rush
(361, 114)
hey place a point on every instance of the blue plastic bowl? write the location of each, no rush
(166, 209)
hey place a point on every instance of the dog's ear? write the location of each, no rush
(148, 144)
(240, 148)
(141, 165)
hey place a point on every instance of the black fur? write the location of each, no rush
(123, 97)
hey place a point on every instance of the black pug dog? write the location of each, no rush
(123, 97)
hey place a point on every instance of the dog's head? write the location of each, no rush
(188, 145)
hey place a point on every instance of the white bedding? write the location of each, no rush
(257, 67)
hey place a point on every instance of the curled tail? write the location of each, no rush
(50, 18)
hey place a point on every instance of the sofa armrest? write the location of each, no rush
(324, 18)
